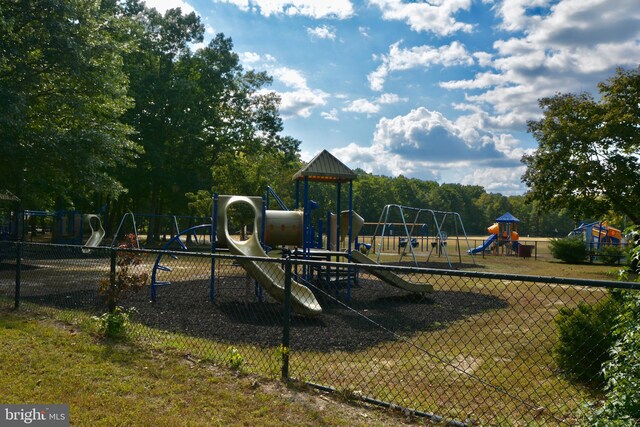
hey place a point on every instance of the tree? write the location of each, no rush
(193, 112)
(62, 92)
(588, 156)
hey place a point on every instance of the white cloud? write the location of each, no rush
(436, 16)
(390, 98)
(484, 58)
(290, 77)
(427, 144)
(322, 32)
(364, 31)
(362, 106)
(331, 115)
(368, 159)
(566, 46)
(366, 106)
(300, 101)
(496, 180)
(163, 5)
(318, 9)
(400, 59)
(250, 57)
(516, 14)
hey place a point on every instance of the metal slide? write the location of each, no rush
(97, 234)
(268, 274)
(390, 277)
(484, 245)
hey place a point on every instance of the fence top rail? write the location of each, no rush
(398, 269)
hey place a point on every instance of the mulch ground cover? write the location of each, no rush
(375, 312)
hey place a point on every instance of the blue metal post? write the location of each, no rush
(320, 231)
(338, 219)
(349, 240)
(214, 230)
(330, 236)
(263, 223)
(306, 226)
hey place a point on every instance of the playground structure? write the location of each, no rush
(598, 234)
(10, 224)
(59, 227)
(503, 237)
(157, 228)
(292, 228)
(444, 226)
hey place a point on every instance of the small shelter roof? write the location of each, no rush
(8, 195)
(507, 217)
(325, 167)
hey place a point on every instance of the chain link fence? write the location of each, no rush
(464, 347)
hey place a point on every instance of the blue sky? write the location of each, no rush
(434, 89)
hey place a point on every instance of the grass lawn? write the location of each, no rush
(118, 384)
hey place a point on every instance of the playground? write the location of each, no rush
(453, 341)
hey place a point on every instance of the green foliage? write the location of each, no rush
(281, 352)
(584, 338)
(587, 158)
(611, 254)
(634, 251)
(113, 324)
(572, 249)
(193, 110)
(622, 372)
(62, 93)
(235, 360)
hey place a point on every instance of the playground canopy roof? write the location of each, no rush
(507, 217)
(325, 168)
(8, 195)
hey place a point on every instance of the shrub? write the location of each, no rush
(234, 358)
(115, 289)
(126, 280)
(113, 324)
(569, 249)
(611, 254)
(584, 338)
(622, 372)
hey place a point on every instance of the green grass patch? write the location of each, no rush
(118, 383)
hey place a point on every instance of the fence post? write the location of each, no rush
(18, 273)
(112, 277)
(286, 319)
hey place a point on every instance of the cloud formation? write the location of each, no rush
(163, 5)
(366, 106)
(565, 46)
(318, 9)
(300, 100)
(401, 59)
(436, 16)
(426, 144)
(322, 32)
